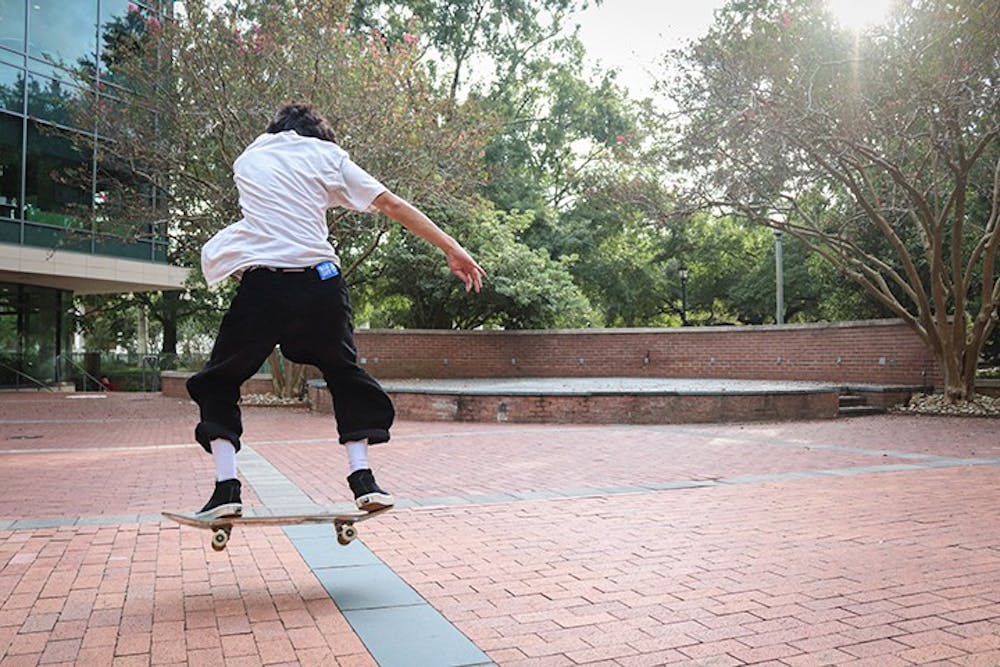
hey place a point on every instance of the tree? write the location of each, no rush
(499, 38)
(190, 94)
(525, 287)
(561, 128)
(878, 151)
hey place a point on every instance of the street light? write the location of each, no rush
(779, 280)
(682, 272)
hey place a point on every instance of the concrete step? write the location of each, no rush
(852, 405)
(851, 400)
(860, 411)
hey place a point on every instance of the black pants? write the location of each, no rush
(311, 320)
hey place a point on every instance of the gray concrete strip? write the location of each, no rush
(372, 586)
(22, 524)
(77, 450)
(604, 386)
(413, 635)
(100, 420)
(681, 484)
(794, 444)
(109, 520)
(441, 500)
(275, 490)
(397, 626)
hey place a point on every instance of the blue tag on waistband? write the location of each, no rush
(327, 270)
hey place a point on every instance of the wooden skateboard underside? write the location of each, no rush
(222, 527)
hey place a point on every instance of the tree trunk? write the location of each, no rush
(171, 304)
(956, 386)
(951, 354)
(287, 377)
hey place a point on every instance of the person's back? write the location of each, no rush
(286, 177)
(286, 183)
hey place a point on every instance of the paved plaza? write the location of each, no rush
(869, 541)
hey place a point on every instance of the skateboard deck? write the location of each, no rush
(343, 524)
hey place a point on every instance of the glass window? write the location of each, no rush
(124, 26)
(121, 22)
(63, 32)
(40, 343)
(12, 24)
(124, 206)
(11, 88)
(53, 97)
(10, 166)
(58, 178)
(10, 339)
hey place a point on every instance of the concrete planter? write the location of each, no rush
(172, 384)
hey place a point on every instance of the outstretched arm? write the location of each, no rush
(460, 262)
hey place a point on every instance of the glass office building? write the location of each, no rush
(50, 247)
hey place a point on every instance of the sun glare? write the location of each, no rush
(858, 15)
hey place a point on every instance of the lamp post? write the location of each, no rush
(682, 272)
(779, 280)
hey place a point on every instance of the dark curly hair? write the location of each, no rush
(304, 119)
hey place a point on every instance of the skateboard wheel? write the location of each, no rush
(219, 539)
(346, 533)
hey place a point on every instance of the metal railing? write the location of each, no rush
(89, 371)
(88, 380)
(19, 375)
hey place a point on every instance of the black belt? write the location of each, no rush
(278, 269)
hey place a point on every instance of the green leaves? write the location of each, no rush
(524, 287)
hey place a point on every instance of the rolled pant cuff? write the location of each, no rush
(374, 436)
(206, 432)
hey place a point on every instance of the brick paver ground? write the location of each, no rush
(872, 541)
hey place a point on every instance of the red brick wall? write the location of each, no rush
(623, 409)
(872, 352)
(602, 409)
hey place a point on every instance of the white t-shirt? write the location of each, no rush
(286, 184)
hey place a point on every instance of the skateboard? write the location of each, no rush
(222, 527)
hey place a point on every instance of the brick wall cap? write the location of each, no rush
(598, 386)
(888, 388)
(183, 375)
(854, 324)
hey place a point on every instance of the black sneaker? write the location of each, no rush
(367, 494)
(225, 501)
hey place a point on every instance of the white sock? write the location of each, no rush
(357, 454)
(224, 455)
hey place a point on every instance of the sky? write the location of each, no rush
(631, 35)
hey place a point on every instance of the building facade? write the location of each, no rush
(51, 241)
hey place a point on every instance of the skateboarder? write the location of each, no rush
(292, 294)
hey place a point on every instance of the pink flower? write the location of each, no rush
(786, 20)
(410, 39)
(620, 138)
(132, 8)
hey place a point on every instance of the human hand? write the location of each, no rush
(467, 269)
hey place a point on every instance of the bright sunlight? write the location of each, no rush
(857, 15)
